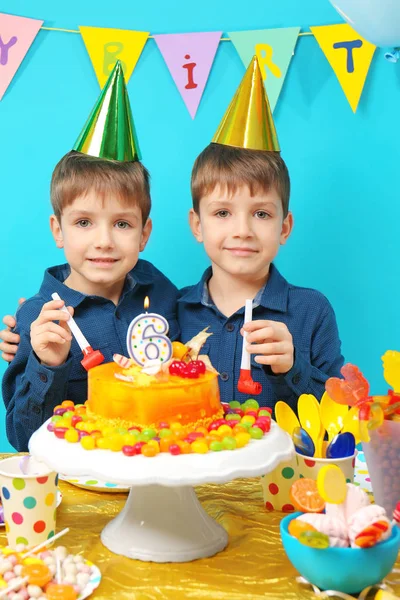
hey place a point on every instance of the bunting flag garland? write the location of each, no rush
(274, 50)
(189, 58)
(349, 55)
(106, 46)
(16, 37)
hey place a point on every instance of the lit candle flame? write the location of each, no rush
(146, 303)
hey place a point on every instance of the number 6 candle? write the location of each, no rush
(246, 384)
(147, 337)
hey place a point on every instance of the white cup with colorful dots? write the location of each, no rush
(276, 486)
(29, 496)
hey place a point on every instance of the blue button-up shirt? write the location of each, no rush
(31, 390)
(306, 313)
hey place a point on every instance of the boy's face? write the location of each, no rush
(101, 240)
(241, 233)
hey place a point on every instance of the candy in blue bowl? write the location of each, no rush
(347, 570)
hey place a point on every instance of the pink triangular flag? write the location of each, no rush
(16, 36)
(189, 58)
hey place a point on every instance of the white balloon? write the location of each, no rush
(378, 21)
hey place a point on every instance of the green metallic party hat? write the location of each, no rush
(248, 121)
(109, 132)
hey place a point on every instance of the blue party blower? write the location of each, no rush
(347, 570)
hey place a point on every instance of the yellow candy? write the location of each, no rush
(81, 426)
(224, 430)
(199, 447)
(116, 442)
(331, 484)
(72, 436)
(242, 439)
(129, 440)
(108, 431)
(248, 419)
(103, 443)
(65, 422)
(176, 426)
(154, 444)
(88, 442)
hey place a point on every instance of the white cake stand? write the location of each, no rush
(162, 520)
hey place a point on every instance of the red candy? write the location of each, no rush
(138, 447)
(129, 450)
(60, 432)
(76, 419)
(239, 412)
(175, 449)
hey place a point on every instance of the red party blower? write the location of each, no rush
(246, 385)
(91, 358)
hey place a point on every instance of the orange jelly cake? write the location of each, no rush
(185, 393)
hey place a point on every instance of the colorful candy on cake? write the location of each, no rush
(163, 398)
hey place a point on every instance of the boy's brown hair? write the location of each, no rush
(232, 168)
(77, 173)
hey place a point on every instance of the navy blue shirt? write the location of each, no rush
(306, 313)
(32, 390)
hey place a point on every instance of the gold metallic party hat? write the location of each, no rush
(248, 122)
(109, 132)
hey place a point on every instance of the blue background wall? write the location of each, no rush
(344, 167)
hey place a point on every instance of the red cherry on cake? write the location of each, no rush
(190, 372)
(176, 367)
(199, 365)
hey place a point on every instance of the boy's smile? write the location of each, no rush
(241, 233)
(102, 239)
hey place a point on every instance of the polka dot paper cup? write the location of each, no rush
(276, 486)
(29, 502)
(309, 467)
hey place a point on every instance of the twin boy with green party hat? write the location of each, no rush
(101, 201)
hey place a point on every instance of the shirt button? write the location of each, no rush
(36, 410)
(117, 314)
(296, 378)
(230, 327)
(43, 377)
(224, 376)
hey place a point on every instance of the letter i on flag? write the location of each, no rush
(105, 46)
(189, 58)
(16, 37)
(349, 55)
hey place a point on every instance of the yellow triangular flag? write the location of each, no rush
(349, 55)
(106, 46)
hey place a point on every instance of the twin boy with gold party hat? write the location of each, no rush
(101, 202)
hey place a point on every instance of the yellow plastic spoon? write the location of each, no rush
(285, 417)
(332, 415)
(351, 423)
(309, 415)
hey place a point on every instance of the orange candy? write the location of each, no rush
(305, 496)
(202, 430)
(297, 527)
(184, 446)
(38, 574)
(165, 444)
(148, 450)
(60, 591)
(371, 535)
(67, 404)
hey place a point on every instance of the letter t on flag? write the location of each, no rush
(189, 58)
(16, 37)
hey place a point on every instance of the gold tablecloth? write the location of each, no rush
(253, 566)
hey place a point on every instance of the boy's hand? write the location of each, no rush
(9, 340)
(272, 342)
(52, 341)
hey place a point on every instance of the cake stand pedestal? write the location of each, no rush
(162, 520)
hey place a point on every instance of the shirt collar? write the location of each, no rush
(274, 294)
(54, 278)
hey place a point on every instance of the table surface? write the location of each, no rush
(253, 566)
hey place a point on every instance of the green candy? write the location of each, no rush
(234, 404)
(232, 417)
(264, 413)
(122, 431)
(216, 446)
(251, 403)
(256, 433)
(56, 418)
(69, 414)
(151, 433)
(229, 443)
(245, 424)
(143, 437)
(164, 433)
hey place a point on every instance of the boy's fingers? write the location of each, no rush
(273, 360)
(21, 301)
(64, 324)
(52, 315)
(258, 324)
(268, 349)
(7, 357)
(262, 335)
(8, 336)
(9, 349)
(10, 321)
(50, 326)
(47, 337)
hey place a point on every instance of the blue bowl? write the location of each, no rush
(347, 570)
